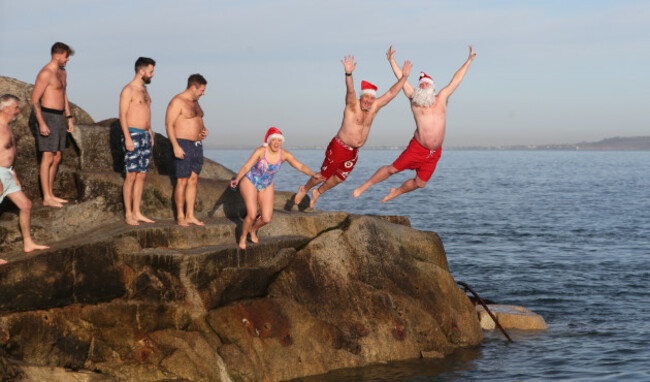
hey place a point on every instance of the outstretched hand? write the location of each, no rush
(349, 64)
(390, 55)
(471, 53)
(406, 70)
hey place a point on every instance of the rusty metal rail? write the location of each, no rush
(480, 300)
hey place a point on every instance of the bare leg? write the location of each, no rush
(179, 198)
(190, 199)
(382, 174)
(55, 166)
(47, 161)
(317, 192)
(3, 261)
(265, 198)
(138, 188)
(127, 191)
(408, 186)
(249, 194)
(302, 191)
(25, 205)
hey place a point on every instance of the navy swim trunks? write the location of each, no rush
(193, 161)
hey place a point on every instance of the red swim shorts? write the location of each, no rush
(339, 159)
(419, 158)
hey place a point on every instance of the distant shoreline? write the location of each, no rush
(608, 144)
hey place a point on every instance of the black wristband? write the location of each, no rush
(348, 74)
(68, 116)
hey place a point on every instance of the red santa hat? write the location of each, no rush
(273, 133)
(425, 78)
(368, 88)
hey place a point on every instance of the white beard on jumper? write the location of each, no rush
(424, 97)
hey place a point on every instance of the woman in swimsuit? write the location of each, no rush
(256, 178)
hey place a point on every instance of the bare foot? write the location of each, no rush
(360, 190)
(60, 200)
(314, 197)
(242, 242)
(254, 238)
(392, 194)
(142, 218)
(51, 203)
(302, 191)
(195, 221)
(34, 247)
(3, 261)
(130, 220)
(182, 223)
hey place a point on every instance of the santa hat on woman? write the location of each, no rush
(273, 133)
(368, 88)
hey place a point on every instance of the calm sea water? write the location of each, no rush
(565, 234)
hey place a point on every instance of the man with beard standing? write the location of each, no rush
(342, 152)
(430, 112)
(52, 110)
(186, 132)
(135, 120)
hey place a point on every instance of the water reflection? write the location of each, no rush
(446, 369)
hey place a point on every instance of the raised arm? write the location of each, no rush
(173, 111)
(125, 101)
(408, 89)
(257, 155)
(297, 164)
(349, 65)
(458, 77)
(394, 90)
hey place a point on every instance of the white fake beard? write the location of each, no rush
(424, 97)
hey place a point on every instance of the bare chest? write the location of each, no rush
(6, 138)
(191, 110)
(58, 81)
(142, 97)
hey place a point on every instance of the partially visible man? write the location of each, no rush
(9, 184)
(430, 112)
(342, 153)
(185, 129)
(52, 110)
(135, 120)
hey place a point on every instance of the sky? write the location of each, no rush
(546, 72)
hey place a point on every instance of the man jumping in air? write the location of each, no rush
(342, 153)
(430, 112)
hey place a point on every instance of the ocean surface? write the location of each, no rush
(565, 234)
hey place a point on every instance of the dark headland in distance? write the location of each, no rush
(615, 143)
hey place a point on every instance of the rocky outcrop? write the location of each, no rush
(321, 291)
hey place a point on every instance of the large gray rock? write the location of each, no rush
(159, 302)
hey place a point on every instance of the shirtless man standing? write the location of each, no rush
(135, 119)
(185, 130)
(342, 152)
(52, 109)
(9, 184)
(430, 112)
